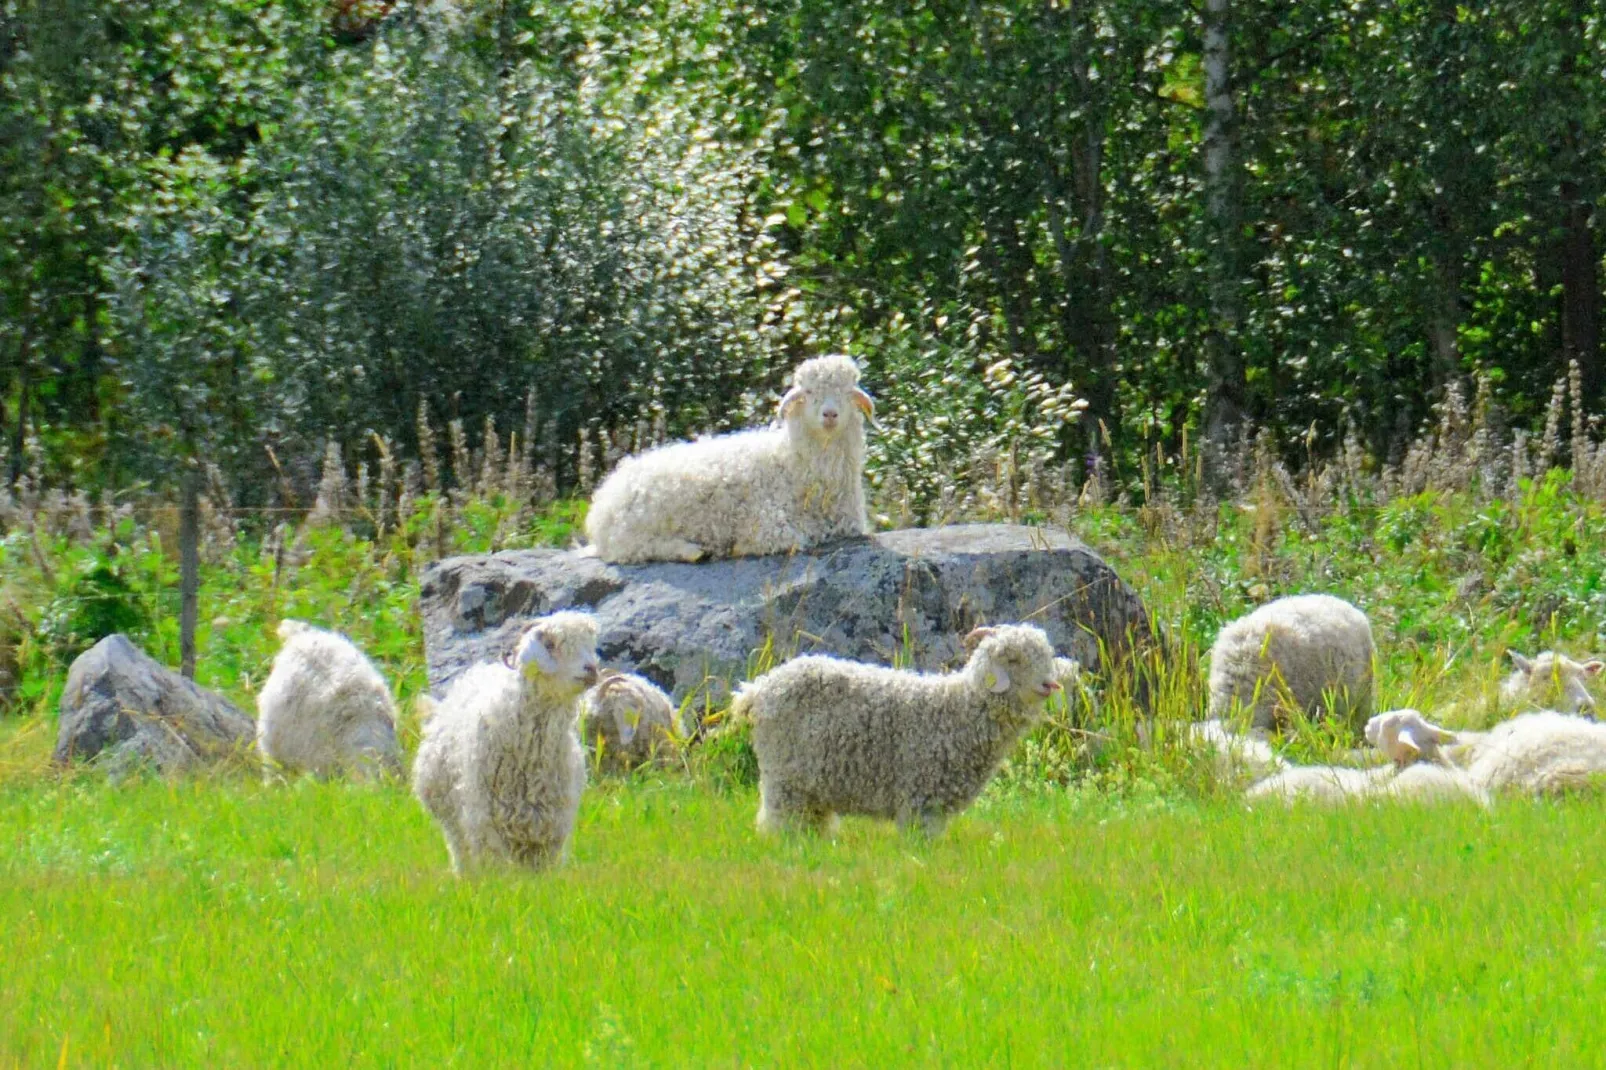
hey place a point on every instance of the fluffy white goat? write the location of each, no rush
(1543, 753)
(1310, 653)
(628, 719)
(765, 491)
(1320, 783)
(1402, 736)
(324, 708)
(839, 737)
(500, 766)
(1435, 782)
(1337, 783)
(1405, 736)
(1550, 681)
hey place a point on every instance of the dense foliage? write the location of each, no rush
(229, 225)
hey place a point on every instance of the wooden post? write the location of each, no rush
(189, 552)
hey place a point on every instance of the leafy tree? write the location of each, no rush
(1308, 218)
(97, 102)
(440, 221)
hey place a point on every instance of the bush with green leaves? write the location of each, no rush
(445, 219)
(960, 426)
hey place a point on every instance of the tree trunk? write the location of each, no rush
(1579, 260)
(1580, 289)
(1444, 322)
(1084, 313)
(1225, 386)
(1077, 201)
(189, 556)
(1454, 158)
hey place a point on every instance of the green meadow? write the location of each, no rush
(236, 924)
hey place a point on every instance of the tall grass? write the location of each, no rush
(1473, 543)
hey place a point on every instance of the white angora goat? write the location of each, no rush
(839, 737)
(767, 491)
(500, 766)
(325, 709)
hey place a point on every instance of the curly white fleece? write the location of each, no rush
(839, 737)
(1393, 733)
(1310, 653)
(1337, 783)
(1542, 753)
(500, 767)
(324, 708)
(1237, 754)
(768, 491)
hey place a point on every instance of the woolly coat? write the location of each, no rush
(1550, 681)
(1309, 653)
(1237, 754)
(1542, 753)
(628, 719)
(500, 767)
(774, 490)
(1336, 784)
(324, 708)
(839, 737)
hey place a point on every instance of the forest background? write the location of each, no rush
(241, 233)
(297, 297)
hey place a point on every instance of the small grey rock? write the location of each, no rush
(124, 709)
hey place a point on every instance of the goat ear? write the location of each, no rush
(790, 400)
(865, 402)
(997, 679)
(1520, 661)
(975, 637)
(1406, 748)
(511, 657)
(1593, 668)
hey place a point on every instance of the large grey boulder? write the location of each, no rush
(123, 709)
(905, 597)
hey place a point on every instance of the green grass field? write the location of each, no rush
(228, 923)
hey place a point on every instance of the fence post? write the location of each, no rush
(189, 551)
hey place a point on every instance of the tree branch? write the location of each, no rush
(1304, 42)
